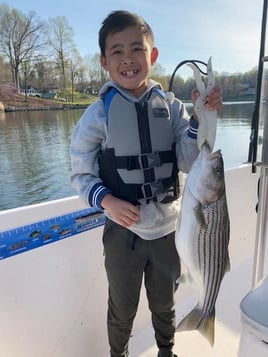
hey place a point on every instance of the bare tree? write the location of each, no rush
(158, 74)
(5, 74)
(76, 69)
(60, 34)
(96, 74)
(20, 37)
(44, 75)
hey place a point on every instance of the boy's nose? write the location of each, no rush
(128, 60)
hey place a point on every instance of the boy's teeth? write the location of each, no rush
(128, 73)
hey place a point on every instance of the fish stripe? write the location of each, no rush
(212, 254)
(202, 238)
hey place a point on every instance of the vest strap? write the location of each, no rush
(150, 190)
(145, 161)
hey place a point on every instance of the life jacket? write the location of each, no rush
(139, 164)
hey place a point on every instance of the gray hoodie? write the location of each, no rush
(90, 136)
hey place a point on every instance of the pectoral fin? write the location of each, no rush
(199, 215)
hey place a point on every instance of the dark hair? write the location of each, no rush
(118, 21)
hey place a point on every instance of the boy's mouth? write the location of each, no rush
(130, 73)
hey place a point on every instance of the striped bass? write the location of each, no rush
(202, 238)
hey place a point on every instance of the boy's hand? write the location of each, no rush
(213, 100)
(123, 212)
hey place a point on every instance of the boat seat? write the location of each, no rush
(254, 310)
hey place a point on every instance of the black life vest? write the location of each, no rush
(139, 164)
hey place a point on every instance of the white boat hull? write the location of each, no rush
(53, 298)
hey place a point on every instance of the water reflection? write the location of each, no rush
(237, 110)
(2, 115)
(34, 151)
(34, 156)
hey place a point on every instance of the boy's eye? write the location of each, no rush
(117, 52)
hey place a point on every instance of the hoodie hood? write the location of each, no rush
(111, 84)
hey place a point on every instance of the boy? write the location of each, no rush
(126, 151)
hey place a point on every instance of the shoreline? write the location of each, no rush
(45, 108)
(17, 103)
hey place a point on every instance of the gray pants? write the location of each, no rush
(127, 258)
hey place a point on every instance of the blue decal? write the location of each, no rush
(34, 235)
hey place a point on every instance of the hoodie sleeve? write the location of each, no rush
(88, 138)
(185, 130)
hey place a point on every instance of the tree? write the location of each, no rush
(158, 74)
(96, 74)
(20, 37)
(60, 34)
(76, 70)
(5, 74)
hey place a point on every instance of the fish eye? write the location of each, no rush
(218, 170)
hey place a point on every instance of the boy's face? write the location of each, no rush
(128, 59)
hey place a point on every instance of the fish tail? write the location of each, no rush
(196, 320)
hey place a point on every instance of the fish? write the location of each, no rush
(202, 238)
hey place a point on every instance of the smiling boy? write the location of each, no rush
(126, 151)
(128, 57)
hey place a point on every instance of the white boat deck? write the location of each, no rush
(227, 324)
(236, 283)
(53, 299)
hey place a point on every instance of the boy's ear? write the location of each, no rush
(103, 61)
(154, 55)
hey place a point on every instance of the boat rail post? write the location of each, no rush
(261, 108)
(261, 226)
(262, 207)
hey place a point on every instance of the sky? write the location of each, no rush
(227, 30)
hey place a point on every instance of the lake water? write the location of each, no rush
(34, 151)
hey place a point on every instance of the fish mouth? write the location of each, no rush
(215, 155)
(210, 155)
(206, 154)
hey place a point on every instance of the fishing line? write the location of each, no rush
(194, 62)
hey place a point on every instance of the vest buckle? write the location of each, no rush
(152, 189)
(149, 160)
